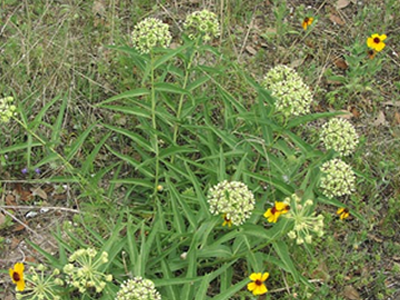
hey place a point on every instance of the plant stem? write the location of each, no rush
(154, 123)
(185, 82)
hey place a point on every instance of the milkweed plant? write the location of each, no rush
(198, 158)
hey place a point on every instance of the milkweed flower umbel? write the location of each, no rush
(40, 285)
(339, 135)
(375, 42)
(293, 96)
(233, 200)
(257, 286)
(280, 208)
(305, 220)
(343, 212)
(7, 109)
(202, 23)
(138, 289)
(307, 22)
(338, 178)
(151, 33)
(17, 276)
(83, 270)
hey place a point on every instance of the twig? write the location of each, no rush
(42, 207)
(285, 288)
(18, 221)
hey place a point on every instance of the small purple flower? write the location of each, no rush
(37, 171)
(24, 171)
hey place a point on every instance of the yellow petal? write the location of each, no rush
(310, 20)
(19, 267)
(251, 286)
(304, 24)
(260, 290)
(383, 37)
(268, 213)
(370, 42)
(340, 210)
(21, 285)
(380, 46)
(280, 206)
(265, 276)
(11, 274)
(255, 276)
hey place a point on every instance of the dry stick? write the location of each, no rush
(42, 207)
(247, 35)
(284, 288)
(18, 221)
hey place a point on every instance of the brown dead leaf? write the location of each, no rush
(341, 64)
(18, 227)
(99, 8)
(351, 293)
(251, 50)
(30, 259)
(39, 192)
(15, 242)
(342, 4)
(347, 115)
(321, 272)
(296, 63)
(336, 19)
(2, 219)
(397, 118)
(26, 196)
(380, 119)
(10, 200)
(356, 113)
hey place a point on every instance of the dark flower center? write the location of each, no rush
(16, 277)
(258, 282)
(306, 20)
(377, 40)
(273, 210)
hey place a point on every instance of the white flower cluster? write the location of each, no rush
(339, 135)
(7, 110)
(151, 33)
(202, 23)
(83, 271)
(338, 179)
(305, 220)
(293, 96)
(233, 199)
(41, 286)
(138, 289)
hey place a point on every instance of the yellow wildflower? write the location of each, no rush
(343, 212)
(257, 287)
(376, 42)
(307, 22)
(280, 208)
(227, 221)
(17, 276)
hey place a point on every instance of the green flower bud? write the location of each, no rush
(232, 199)
(338, 180)
(339, 135)
(138, 289)
(293, 96)
(150, 33)
(202, 24)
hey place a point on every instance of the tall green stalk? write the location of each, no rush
(185, 82)
(154, 123)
